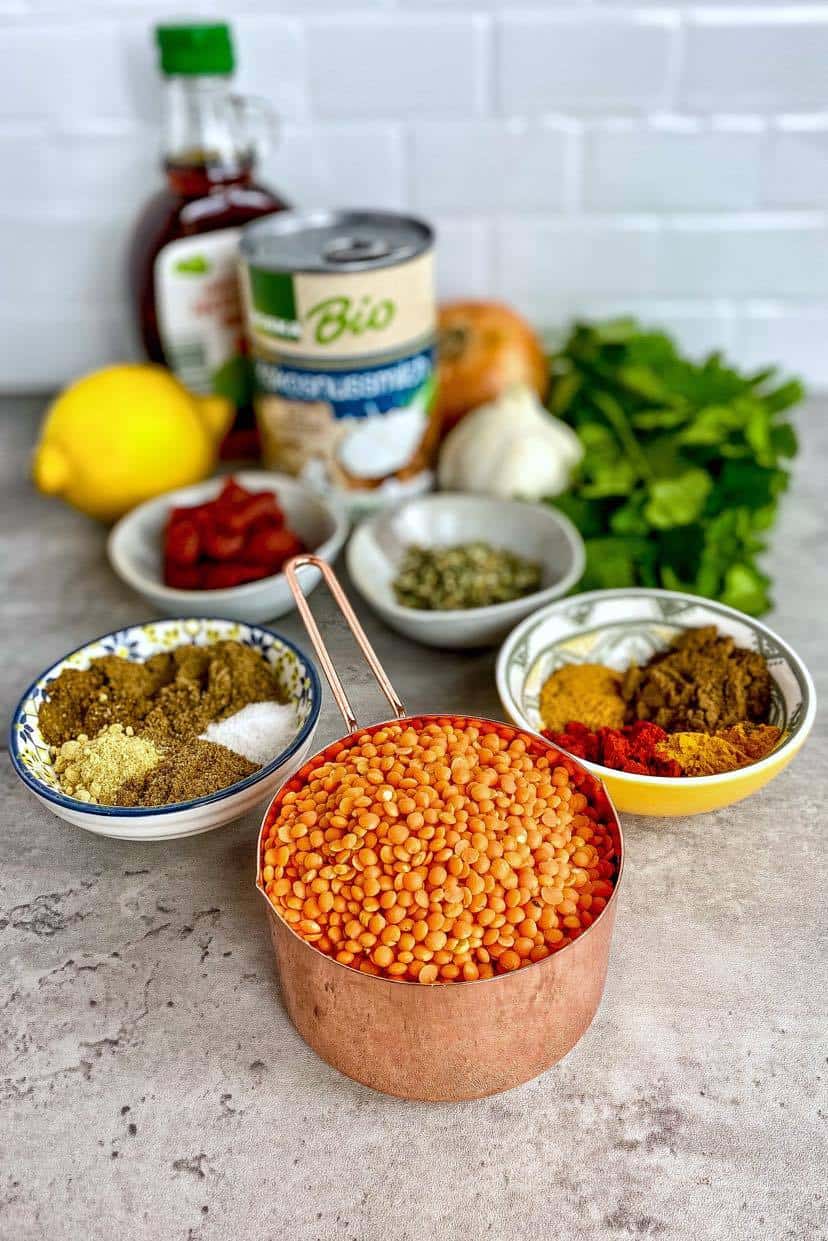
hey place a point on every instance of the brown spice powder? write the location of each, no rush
(208, 684)
(703, 682)
(63, 715)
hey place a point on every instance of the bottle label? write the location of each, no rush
(199, 313)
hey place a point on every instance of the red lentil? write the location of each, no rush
(439, 850)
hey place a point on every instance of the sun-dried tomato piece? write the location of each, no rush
(224, 576)
(271, 547)
(242, 515)
(220, 545)
(182, 543)
(182, 577)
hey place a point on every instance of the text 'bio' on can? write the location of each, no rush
(341, 321)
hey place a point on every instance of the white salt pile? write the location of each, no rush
(259, 732)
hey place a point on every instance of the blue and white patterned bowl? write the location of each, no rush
(32, 761)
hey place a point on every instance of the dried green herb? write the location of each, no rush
(470, 575)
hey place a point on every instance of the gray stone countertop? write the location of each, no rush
(153, 1088)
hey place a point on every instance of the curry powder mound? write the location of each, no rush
(755, 740)
(702, 682)
(705, 754)
(588, 693)
(700, 754)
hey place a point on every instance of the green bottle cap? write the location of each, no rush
(195, 47)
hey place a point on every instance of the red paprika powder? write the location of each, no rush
(631, 748)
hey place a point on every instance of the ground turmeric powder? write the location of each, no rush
(588, 693)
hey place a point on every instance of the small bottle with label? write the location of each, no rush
(184, 259)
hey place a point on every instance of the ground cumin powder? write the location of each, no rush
(702, 683)
(176, 693)
(192, 770)
(209, 683)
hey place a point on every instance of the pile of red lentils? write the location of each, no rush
(439, 850)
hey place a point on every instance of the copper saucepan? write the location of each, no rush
(447, 1041)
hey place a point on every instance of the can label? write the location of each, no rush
(344, 370)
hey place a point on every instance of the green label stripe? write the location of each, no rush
(272, 293)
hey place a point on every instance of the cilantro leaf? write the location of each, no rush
(677, 501)
(746, 588)
(684, 462)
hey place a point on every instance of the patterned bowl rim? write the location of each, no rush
(146, 812)
(791, 743)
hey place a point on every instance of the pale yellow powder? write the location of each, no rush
(92, 770)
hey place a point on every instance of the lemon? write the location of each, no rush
(121, 435)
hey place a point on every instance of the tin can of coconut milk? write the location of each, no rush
(340, 320)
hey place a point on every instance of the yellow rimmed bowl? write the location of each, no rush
(622, 627)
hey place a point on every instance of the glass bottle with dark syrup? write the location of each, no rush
(184, 258)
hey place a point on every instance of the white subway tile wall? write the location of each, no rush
(373, 64)
(578, 157)
(676, 167)
(585, 60)
(765, 59)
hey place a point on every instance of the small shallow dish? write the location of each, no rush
(621, 627)
(535, 531)
(134, 548)
(33, 764)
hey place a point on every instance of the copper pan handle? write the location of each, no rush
(341, 599)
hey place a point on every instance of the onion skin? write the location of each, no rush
(484, 348)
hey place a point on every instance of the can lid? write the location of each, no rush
(195, 48)
(334, 241)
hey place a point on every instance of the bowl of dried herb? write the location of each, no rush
(679, 704)
(453, 570)
(166, 729)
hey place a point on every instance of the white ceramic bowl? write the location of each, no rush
(536, 531)
(32, 761)
(134, 548)
(622, 627)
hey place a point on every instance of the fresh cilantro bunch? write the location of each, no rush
(682, 467)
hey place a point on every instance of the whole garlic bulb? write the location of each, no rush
(513, 448)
